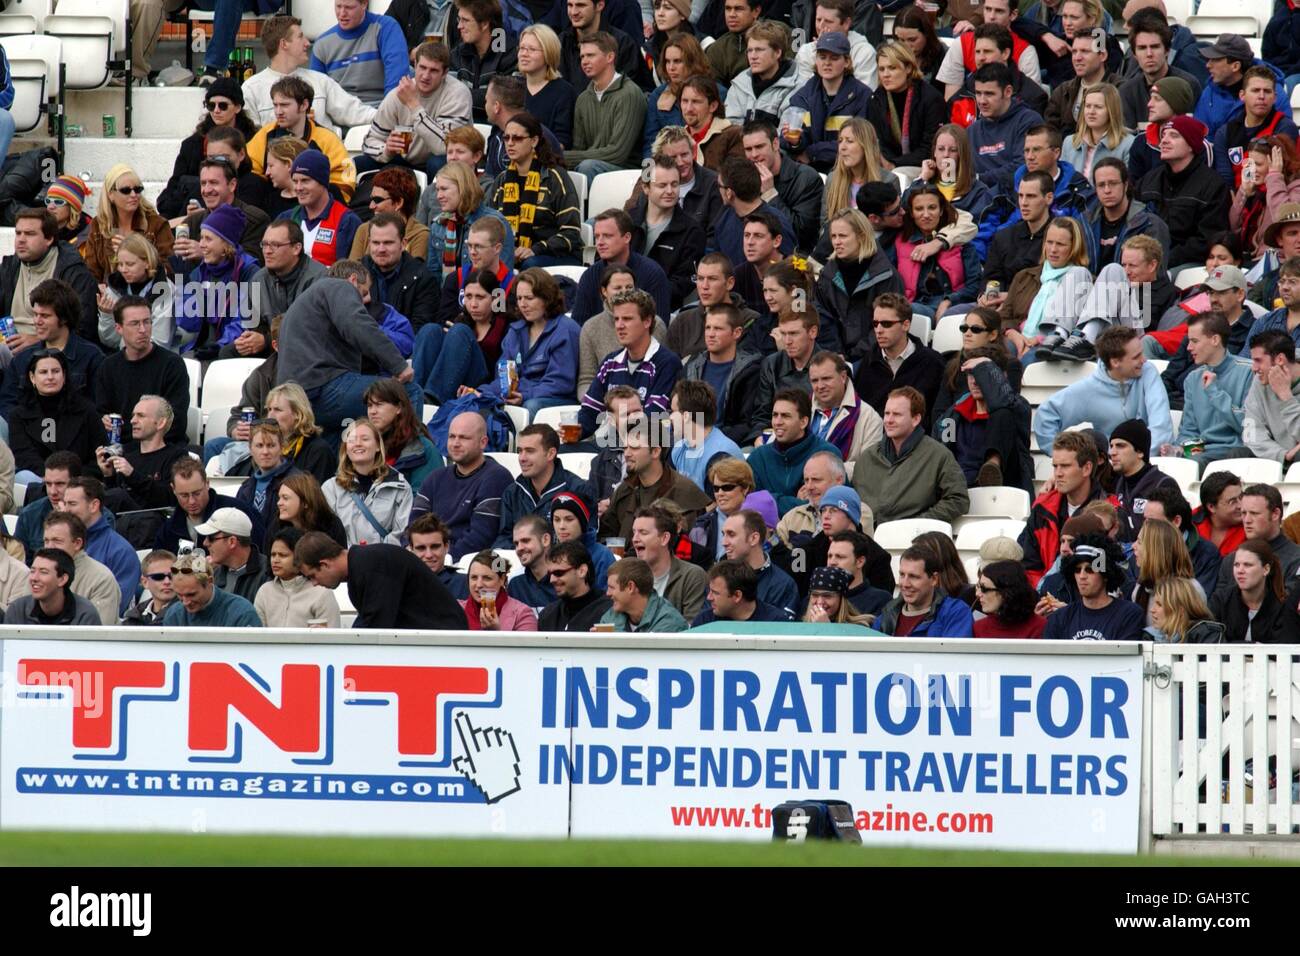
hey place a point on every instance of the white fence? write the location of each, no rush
(1225, 738)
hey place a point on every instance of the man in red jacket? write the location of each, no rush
(1075, 460)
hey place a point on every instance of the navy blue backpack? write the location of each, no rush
(499, 425)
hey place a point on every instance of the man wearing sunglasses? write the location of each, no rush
(65, 200)
(159, 595)
(577, 606)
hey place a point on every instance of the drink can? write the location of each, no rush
(248, 414)
(110, 125)
(115, 429)
(183, 231)
(1193, 447)
(7, 327)
(74, 130)
(993, 288)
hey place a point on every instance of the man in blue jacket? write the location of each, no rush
(998, 136)
(612, 230)
(364, 52)
(466, 494)
(541, 478)
(922, 609)
(1227, 60)
(84, 498)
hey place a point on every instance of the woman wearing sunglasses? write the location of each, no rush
(65, 201)
(732, 480)
(1007, 601)
(122, 210)
(394, 189)
(980, 326)
(536, 197)
(223, 104)
(51, 416)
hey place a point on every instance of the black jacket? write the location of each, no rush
(573, 614)
(737, 394)
(923, 370)
(149, 483)
(703, 203)
(846, 313)
(1194, 205)
(72, 269)
(184, 182)
(314, 457)
(1275, 623)
(476, 72)
(927, 115)
(999, 393)
(1060, 106)
(391, 588)
(627, 62)
(256, 573)
(1011, 249)
(798, 194)
(775, 373)
(412, 290)
(76, 428)
(677, 250)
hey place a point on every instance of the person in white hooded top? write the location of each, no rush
(289, 599)
(371, 498)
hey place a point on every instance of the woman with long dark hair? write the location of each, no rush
(50, 415)
(407, 445)
(1007, 599)
(1255, 609)
(952, 572)
(935, 275)
(300, 503)
(536, 198)
(914, 28)
(951, 167)
(679, 58)
(1270, 177)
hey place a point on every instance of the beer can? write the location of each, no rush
(1193, 447)
(993, 288)
(183, 231)
(248, 414)
(110, 125)
(115, 429)
(7, 327)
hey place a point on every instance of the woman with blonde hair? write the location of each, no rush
(459, 203)
(904, 107)
(1179, 614)
(394, 189)
(1159, 553)
(857, 161)
(215, 304)
(279, 163)
(288, 408)
(845, 294)
(140, 271)
(679, 58)
(371, 499)
(1100, 132)
(731, 481)
(1051, 293)
(547, 95)
(122, 210)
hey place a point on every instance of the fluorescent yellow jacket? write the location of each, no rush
(343, 173)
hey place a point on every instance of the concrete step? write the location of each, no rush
(152, 159)
(156, 112)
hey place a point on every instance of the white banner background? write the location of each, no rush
(673, 710)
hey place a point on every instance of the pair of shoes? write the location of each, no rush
(1075, 349)
(990, 475)
(1046, 349)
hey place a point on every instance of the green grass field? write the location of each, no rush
(153, 849)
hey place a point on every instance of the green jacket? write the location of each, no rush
(660, 617)
(727, 54)
(608, 129)
(925, 481)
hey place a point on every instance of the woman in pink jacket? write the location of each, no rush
(489, 607)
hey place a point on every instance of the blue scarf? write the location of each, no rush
(1051, 279)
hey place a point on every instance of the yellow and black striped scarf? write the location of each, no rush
(518, 202)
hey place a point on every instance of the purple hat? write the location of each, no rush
(225, 222)
(312, 162)
(765, 505)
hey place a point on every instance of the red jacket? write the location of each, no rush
(1205, 528)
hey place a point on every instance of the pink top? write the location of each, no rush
(512, 616)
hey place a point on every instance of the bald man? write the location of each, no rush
(465, 494)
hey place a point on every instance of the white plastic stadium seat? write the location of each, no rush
(195, 371)
(11, 523)
(194, 424)
(1190, 277)
(578, 462)
(896, 536)
(554, 415)
(1003, 502)
(34, 62)
(1295, 102)
(427, 413)
(17, 26)
(38, 10)
(569, 272)
(947, 334)
(518, 416)
(1251, 471)
(225, 486)
(975, 533)
(87, 48)
(1182, 470)
(579, 184)
(1179, 10)
(116, 11)
(1042, 380)
(222, 386)
(921, 325)
(507, 459)
(317, 16)
(706, 43)
(355, 138)
(611, 190)
(484, 129)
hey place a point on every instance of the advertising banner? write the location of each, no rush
(957, 749)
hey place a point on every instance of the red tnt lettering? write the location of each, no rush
(92, 683)
(294, 726)
(417, 690)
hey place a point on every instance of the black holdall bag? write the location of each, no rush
(798, 820)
